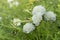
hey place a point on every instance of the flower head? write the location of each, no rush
(38, 9)
(50, 16)
(16, 21)
(16, 3)
(12, 3)
(9, 1)
(28, 27)
(36, 19)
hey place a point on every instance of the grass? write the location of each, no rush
(46, 31)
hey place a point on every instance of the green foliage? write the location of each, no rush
(47, 30)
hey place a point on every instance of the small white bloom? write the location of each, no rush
(28, 27)
(36, 19)
(12, 3)
(9, 1)
(16, 22)
(38, 9)
(50, 16)
(16, 3)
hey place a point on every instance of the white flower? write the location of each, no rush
(12, 3)
(28, 27)
(36, 19)
(38, 9)
(9, 1)
(16, 3)
(50, 16)
(16, 21)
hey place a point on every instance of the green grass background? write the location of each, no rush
(47, 30)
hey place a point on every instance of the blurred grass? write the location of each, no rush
(46, 31)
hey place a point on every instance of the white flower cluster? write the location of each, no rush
(16, 22)
(28, 27)
(38, 9)
(37, 16)
(50, 16)
(37, 12)
(36, 19)
(12, 3)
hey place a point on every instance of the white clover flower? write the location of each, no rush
(50, 16)
(36, 19)
(38, 9)
(16, 3)
(16, 21)
(28, 27)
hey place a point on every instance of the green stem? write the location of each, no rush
(26, 20)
